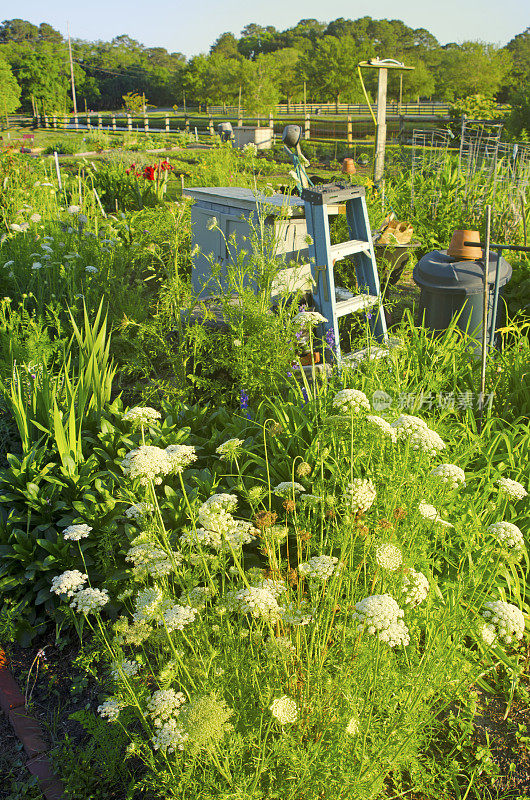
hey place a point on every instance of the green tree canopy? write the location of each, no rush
(9, 89)
(472, 68)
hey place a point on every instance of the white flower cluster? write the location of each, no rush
(224, 501)
(381, 615)
(352, 728)
(110, 709)
(388, 556)
(507, 619)
(139, 510)
(148, 559)
(125, 667)
(76, 532)
(180, 456)
(293, 614)
(250, 149)
(288, 488)
(89, 601)
(511, 489)
(429, 512)
(308, 319)
(415, 587)
(360, 494)
(141, 415)
(311, 500)
(170, 737)
(68, 582)
(450, 474)
(150, 605)
(197, 597)
(488, 633)
(165, 704)
(177, 617)
(509, 536)
(260, 601)
(147, 463)
(418, 433)
(351, 401)
(284, 709)
(383, 426)
(229, 449)
(320, 568)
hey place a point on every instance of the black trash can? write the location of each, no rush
(450, 288)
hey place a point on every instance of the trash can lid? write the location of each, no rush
(438, 271)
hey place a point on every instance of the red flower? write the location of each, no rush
(165, 165)
(149, 173)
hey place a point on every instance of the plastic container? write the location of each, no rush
(452, 288)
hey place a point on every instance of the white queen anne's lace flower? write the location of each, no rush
(170, 737)
(147, 463)
(148, 559)
(381, 615)
(76, 532)
(259, 601)
(180, 456)
(139, 510)
(383, 426)
(511, 489)
(415, 587)
(165, 704)
(224, 501)
(351, 401)
(360, 494)
(284, 709)
(418, 433)
(388, 556)
(229, 449)
(506, 618)
(110, 709)
(429, 512)
(177, 617)
(319, 568)
(141, 415)
(89, 601)
(287, 488)
(68, 582)
(509, 536)
(308, 319)
(124, 667)
(352, 727)
(450, 474)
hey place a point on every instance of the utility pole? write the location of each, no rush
(71, 69)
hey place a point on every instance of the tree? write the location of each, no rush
(519, 48)
(9, 89)
(18, 30)
(331, 69)
(417, 82)
(42, 72)
(259, 91)
(472, 68)
(225, 45)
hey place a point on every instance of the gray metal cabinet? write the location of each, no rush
(223, 221)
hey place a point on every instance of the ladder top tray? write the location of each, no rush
(238, 197)
(327, 193)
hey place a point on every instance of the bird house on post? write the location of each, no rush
(383, 65)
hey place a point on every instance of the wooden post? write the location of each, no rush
(349, 129)
(65, 123)
(146, 124)
(380, 133)
(182, 184)
(113, 121)
(305, 100)
(45, 120)
(210, 127)
(239, 120)
(186, 124)
(307, 126)
(54, 118)
(271, 122)
(166, 122)
(100, 123)
(129, 123)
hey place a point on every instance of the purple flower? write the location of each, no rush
(299, 335)
(243, 399)
(368, 315)
(289, 374)
(330, 337)
(304, 394)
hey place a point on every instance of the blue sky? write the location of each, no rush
(190, 27)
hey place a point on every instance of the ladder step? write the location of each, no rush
(343, 249)
(359, 302)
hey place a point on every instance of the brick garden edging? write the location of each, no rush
(28, 731)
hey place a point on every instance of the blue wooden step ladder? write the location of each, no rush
(324, 255)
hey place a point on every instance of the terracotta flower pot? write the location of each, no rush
(310, 358)
(348, 166)
(457, 248)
